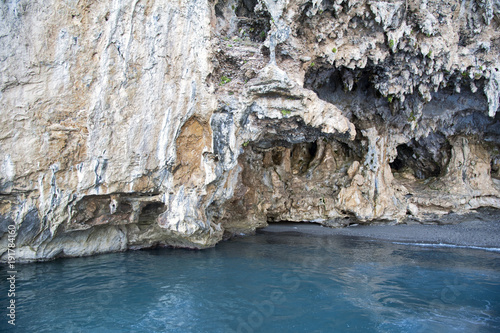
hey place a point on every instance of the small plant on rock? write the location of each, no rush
(411, 117)
(224, 79)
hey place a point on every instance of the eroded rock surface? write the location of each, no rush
(136, 123)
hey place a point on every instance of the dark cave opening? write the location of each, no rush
(403, 159)
(397, 164)
(410, 160)
(313, 148)
(277, 156)
(352, 91)
(124, 207)
(152, 208)
(326, 79)
(301, 156)
(424, 158)
(150, 211)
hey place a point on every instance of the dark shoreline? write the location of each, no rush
(473, 233)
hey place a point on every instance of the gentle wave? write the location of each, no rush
(264, 283)
(492, 249)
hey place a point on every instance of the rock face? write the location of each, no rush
(131, 124)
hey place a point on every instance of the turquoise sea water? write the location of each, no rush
(280, 282)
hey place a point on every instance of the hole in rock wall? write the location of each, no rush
(302, 155)
(118, 208)
(124, 207)
(277, 156)
(92, 207)
(295, 182)
(451, 112)
(283, 176)
(151, 211)
(352, 91)
(424, 158)
(398, 163)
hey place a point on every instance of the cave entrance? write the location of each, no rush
(289, 182)
(422, 159)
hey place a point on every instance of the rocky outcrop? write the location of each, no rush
(137, 123)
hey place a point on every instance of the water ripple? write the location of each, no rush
(266, 283)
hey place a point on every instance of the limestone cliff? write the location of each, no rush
(135, 123)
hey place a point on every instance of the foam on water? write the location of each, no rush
(492, 249)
